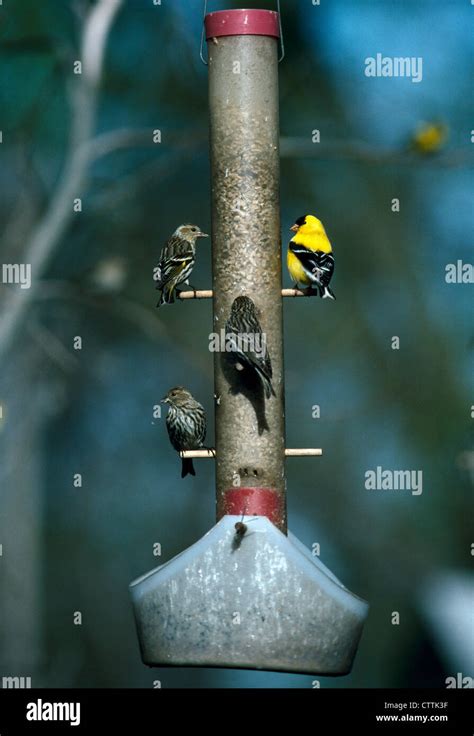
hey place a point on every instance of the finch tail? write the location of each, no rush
(328, 293)
(187, 467)
(267, 384)
(166, 297)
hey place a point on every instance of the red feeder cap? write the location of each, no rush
(242, 23)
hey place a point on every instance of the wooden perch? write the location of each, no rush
(205, 294)
(208, 294)
(303, 452)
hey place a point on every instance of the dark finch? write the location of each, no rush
(186, 424)
(250, 352)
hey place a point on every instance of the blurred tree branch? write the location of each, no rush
(128, 309)
(49, 231)
(302, 147)
(52, 346)
(121, 138)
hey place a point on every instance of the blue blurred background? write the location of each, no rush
(73, 549)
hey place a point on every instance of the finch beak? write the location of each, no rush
(164, 400)
(202, 235)
(295, 228)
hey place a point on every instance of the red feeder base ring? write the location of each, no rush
(254, 501)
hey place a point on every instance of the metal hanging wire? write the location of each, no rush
(282, 45)
(204, 13)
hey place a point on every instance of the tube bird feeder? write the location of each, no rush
(246, 256)
(247, 594)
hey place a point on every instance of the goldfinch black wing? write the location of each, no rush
(318, 265)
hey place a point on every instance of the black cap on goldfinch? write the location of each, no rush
(310, 222)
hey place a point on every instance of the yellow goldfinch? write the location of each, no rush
(310, 260)
(429, 137)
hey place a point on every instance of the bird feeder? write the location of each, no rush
(251, 596)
